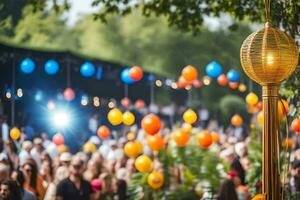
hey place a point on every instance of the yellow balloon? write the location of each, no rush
(155, 180)
(251, 99)
(115, 117)
(89, 147)
(143, 164)
(187, 128)
(130, 136)
(190, 116)
(133, 149)
(15, 133)
(242, 87)
(139, 147)
(260, 118)
(128, 118)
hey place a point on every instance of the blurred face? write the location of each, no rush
(4, 191)
(45, 168)
(76, 169)
(27, 170)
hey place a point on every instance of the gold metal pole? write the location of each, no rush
(270, 174)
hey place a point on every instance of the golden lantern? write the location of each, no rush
(268, 56)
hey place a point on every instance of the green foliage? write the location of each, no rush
(189, 15)
(230, 105)
(195, 165)
(254, 173)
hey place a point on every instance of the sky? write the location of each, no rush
(82, 7)
(79, 8)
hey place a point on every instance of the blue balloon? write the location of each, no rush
(87, 69)
(233, 76)
(125, 76)
(151, 77)
(99, 73)
(51, 67)
(27, 66)
(213, 69)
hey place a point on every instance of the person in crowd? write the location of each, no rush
(18, 176)
(61, 173)
(4, 172)
(25, 152)
(12, 153)
(10, 190)
(65, 159)
(227, 191)
(74, 187)
(33, 181)
(295, 172)
(37, 150)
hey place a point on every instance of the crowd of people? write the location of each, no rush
(35, 169)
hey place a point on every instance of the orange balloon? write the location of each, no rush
(155, 142)
(288, 143)
(236, 120)
(283, 108)
(204, 138)
(181, 138)
(295, 126)
(136, 73)
(251, 109)
(133, 149)
(103, 132)
(215, 137)
(259, 197)
(182, 82)
(233, 85)
(151, 124)
(190, 73)
(222, 80)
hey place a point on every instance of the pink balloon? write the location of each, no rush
(125, 102)
(69, 94)
(58, 139)
(96, 185)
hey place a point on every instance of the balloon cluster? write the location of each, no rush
(51, 66)
(189, 75)
(116, 117)
(132, 75)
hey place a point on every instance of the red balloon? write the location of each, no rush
(151, 124)
(222, 80)
(69, 94)
(58, 139)
(103, 132)
(125, 102)
(204, 138)
(139, 103)
(190, 73)
(197, 83)
(296, 125)
(182, 82)
(259, 106)
(233, 85)
(136, 73)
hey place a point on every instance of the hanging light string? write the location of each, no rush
(267, 6)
